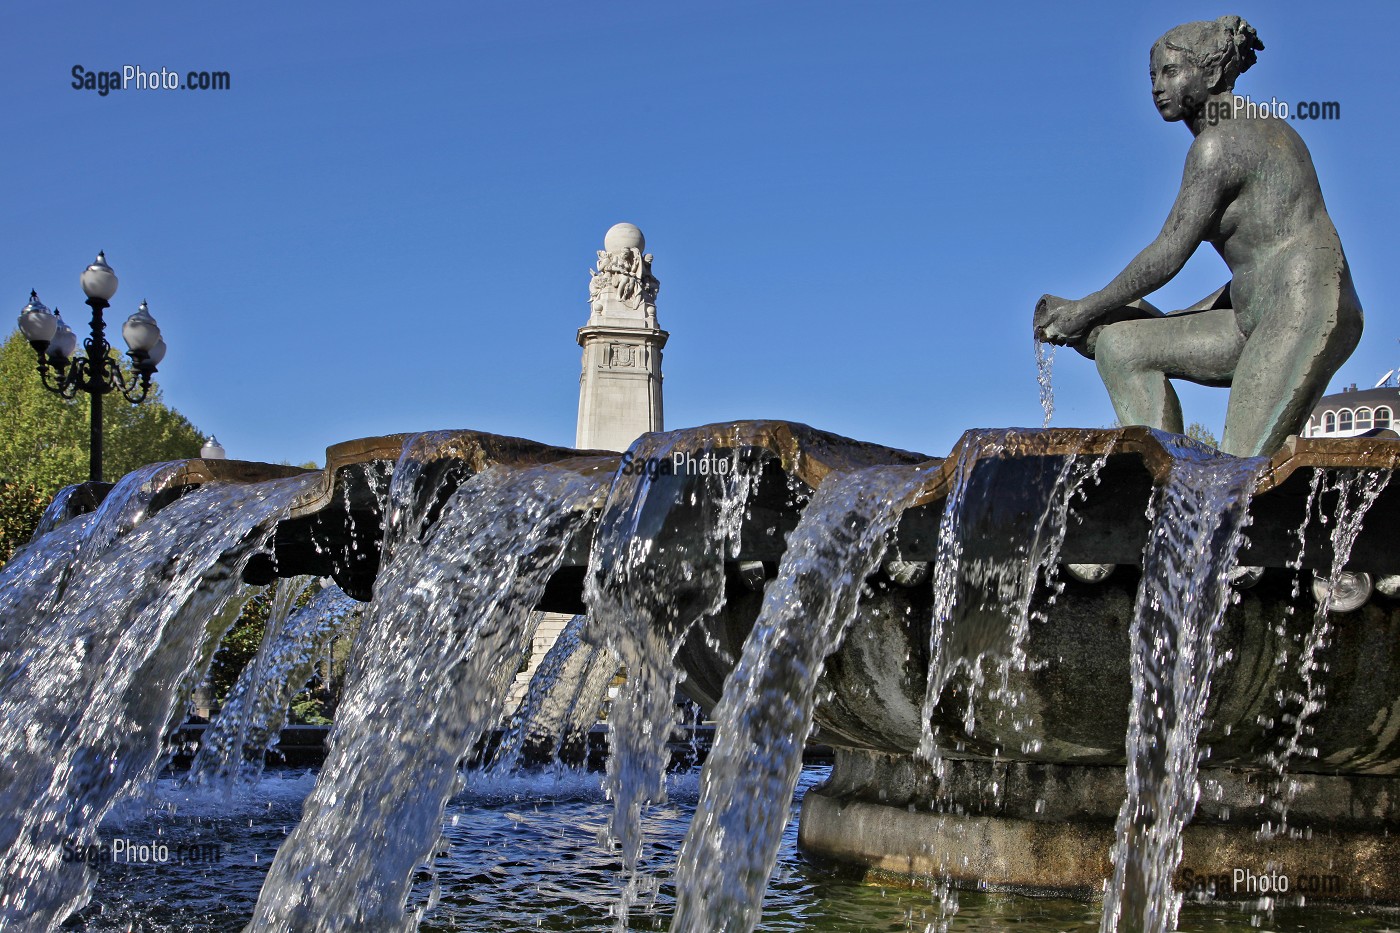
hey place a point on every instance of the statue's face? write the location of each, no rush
(1179, 86)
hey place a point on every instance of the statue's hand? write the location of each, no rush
(1059, 320)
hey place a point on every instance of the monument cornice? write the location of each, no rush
(653, 334)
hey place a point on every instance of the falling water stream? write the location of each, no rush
(60, 510)
(451, 618)
(34, 579)
(562, 702)
(1044, 369)
(651, 579)
(766, 712)
(1356, 492)
(999, 539)
(106, 622)
(1198, 519)
(34, 575)
(234, 747)
(101, 677)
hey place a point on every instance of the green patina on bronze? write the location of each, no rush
(1289, 316)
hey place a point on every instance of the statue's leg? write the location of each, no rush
(1136, 360)
(1283, 373)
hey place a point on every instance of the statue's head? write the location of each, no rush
(1196, 60)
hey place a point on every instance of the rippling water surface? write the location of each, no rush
(524, 856)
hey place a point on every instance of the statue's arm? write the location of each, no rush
(1205, 185)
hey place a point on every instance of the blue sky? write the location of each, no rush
(385, 224)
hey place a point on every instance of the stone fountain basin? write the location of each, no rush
(1078, 693)
(1032, 807)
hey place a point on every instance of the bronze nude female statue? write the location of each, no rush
(1289, 316)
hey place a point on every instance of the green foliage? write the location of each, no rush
(239, 645)
(44, 439)
(1199, 432)
(314, 705)
(21, 507)
(308, 709)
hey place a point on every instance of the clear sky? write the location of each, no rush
(385, 223)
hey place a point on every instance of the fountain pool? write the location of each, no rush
(524, 858)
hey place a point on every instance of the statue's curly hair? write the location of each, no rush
(1228, 42)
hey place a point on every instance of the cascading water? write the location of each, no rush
(1356, 492)
(562, 701)
(946, 569)
(650, 580)
(998, 539)
(127, 506)
(100, 678)
(234, 747)
(1198, 519)
(58, 511)
(1044, 369)
(33, 575)
(1000, 587)
(766, 713)
(462, 573)
(33, 581)
(451, 619)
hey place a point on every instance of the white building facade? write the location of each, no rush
(1353, 412)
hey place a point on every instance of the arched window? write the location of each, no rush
(1329, 423)
(1363, 419)
(1383, 416)
(1344, 420)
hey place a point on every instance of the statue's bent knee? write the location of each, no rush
(1110, 345)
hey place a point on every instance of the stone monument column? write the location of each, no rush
(619, 393)
(619, 396)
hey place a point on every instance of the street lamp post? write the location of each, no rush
(97, 373)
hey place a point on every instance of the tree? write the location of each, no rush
(1199, 432)
(21, 507)
(315, 702)
(44, 440)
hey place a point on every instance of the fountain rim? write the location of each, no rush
(1152, 446)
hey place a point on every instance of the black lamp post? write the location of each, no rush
(97, 373)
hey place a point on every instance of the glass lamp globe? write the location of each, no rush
(36, 322)
(156, 354)
(64, 341)
(212, 450)
(99, 281)
(141, 332)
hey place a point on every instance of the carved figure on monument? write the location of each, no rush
(623, 274)
(1289, 316)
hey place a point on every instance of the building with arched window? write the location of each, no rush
(1353, 412)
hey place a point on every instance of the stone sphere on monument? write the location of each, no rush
(624, 236)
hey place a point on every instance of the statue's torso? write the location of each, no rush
(1274, 232)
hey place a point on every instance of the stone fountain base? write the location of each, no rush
(1049, 828)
